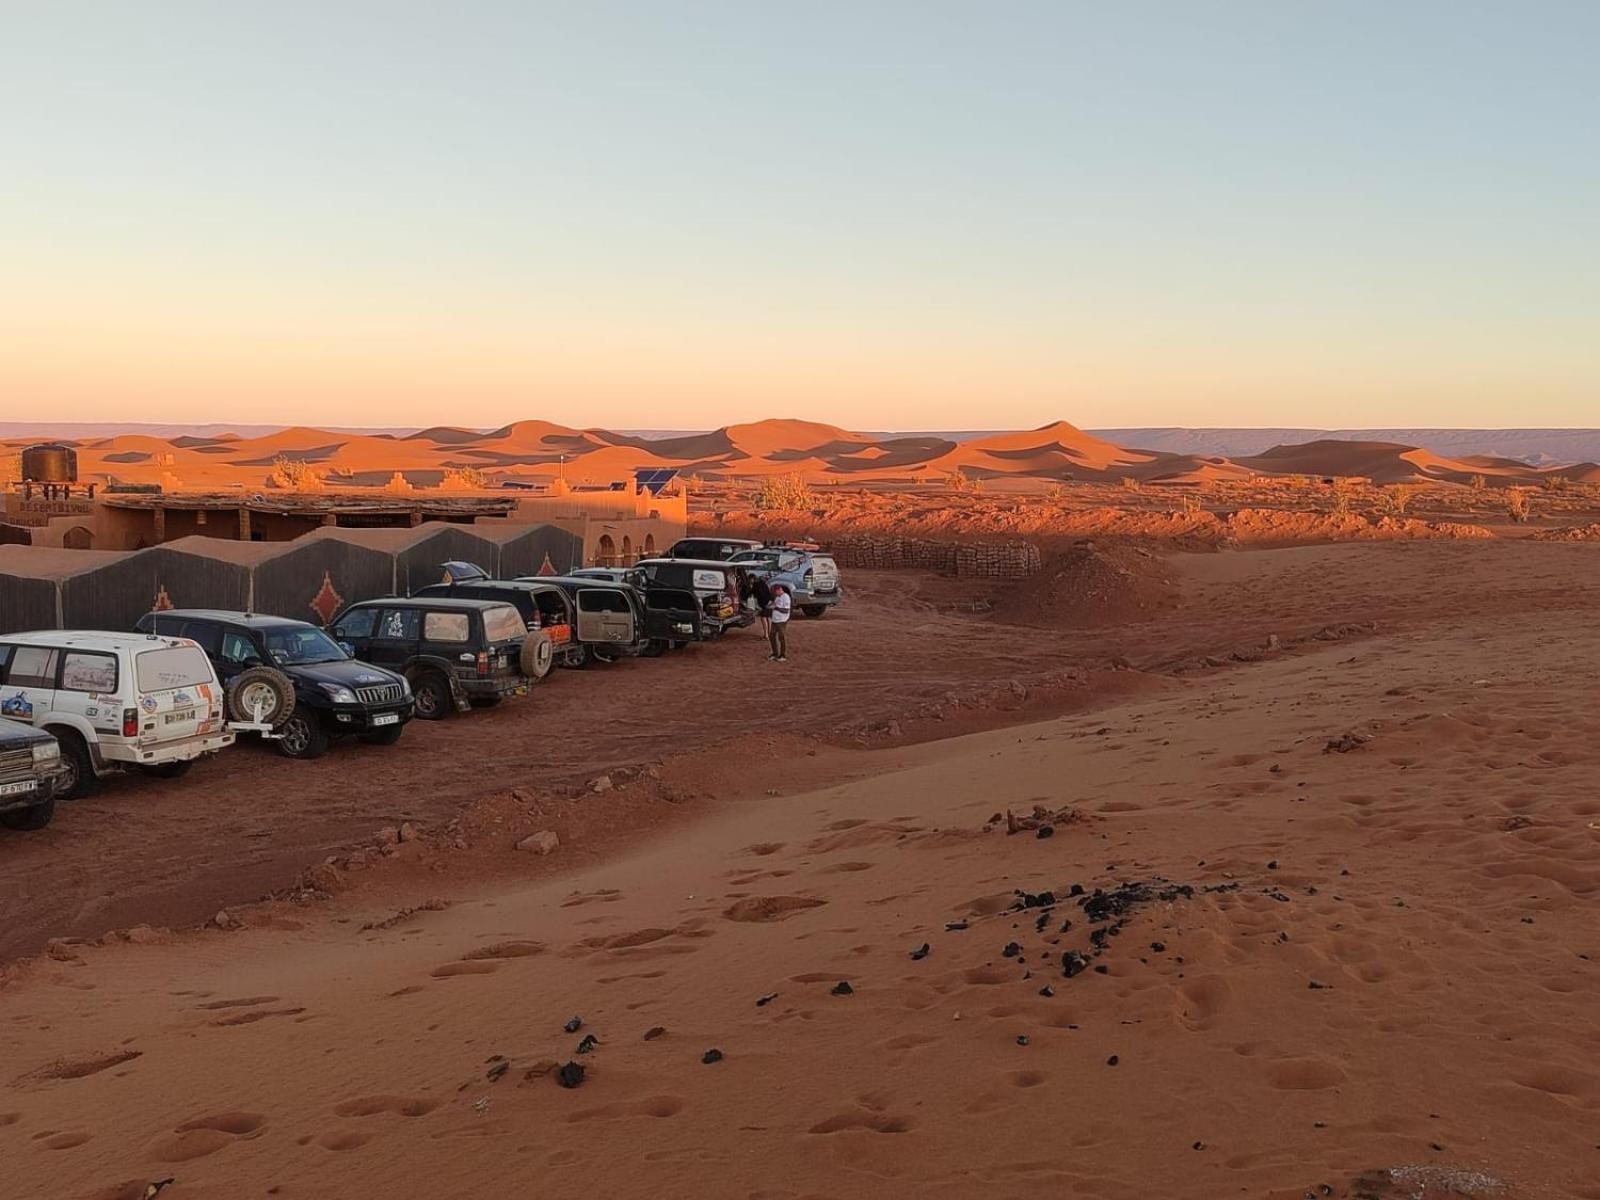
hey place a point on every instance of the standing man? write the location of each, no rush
(761, 597)
(782, 605)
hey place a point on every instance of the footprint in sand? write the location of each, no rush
(769, 908)
(764, 848)
(206, 1135)
(869, 1121)
(477, 966)
(343, 1139)
(1305, 1074)
(603, 896)
(81, 1068)
(653, 1106)
(9, 1119)
(514, 949)
(259, 1014)
(64, 1140)
(247, 1002)
(404, 1106)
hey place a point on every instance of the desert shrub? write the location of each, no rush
(1556, 483)
(1056, 492)
(1478, 483)
(1518, 506)
(784, 493)
(1339, 505)
(1130, 484)
(1191, 504)
(294, 475)
(1394, 501)
(464, 479)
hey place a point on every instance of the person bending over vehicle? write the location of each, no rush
(782, 606)
(761, 597)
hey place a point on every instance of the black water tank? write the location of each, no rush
(50, 462)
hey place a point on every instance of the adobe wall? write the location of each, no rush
(980, 560)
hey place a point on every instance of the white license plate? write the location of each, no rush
(386, 719)
(182, 716)
(16, 789)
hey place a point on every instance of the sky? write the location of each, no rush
(885, 215)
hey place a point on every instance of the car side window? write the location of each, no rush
(237, 647)
(357, 623)
(5, 661)
(208, 634)
(32, 666)
(82, 671)
(593, 600)
(398, 625)
(447, 627)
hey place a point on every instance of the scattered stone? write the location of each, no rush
(496, 1071)
(1112, 1061)
(921, 952)
(1345, 743)
(61, 951)
(543, 842)
(654, 1032)
(1047, 991)
(575, 1024)
(843, 988)
(954, 926)
(1273, 865)
(1074, 963)
(1012, 950)
(570, 1075)
(142, 935)
(711, 1056)
(601, 784)
(1316, 985)
(1101, 969)
(224, 919)
(1158, 947)
(589, 1043)
(324, 878)
(1022, 1039)
(408, 832)
(388, 836)
(1045, 831)
(763, 1001)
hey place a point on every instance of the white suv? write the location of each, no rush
(113, 701)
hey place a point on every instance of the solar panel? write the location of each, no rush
(654, 478)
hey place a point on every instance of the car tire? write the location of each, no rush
(264, 686)
(433, 699)
(815, 611)
(383, 737)
(537, 656)
(579, 659)
(80, 779)
(169, 770)
(27, 820)
(676, 645)
(654, 648)
(302, 736)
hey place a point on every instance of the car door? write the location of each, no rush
(28, 693)
(673, 615)
(237, 650)
(394, 637)
(355, 628)
(87, 686)
(605, 617)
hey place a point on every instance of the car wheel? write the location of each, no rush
(77, 778)
(814, 611)
(384, 737)
(676, 645)
(654, 648)
(302, 736)
(433, 697)
(27, 820)
(170, 770)
(260, 694)
(578, 659)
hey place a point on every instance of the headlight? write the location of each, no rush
(405, 686)
(339, 695)
(46, 752)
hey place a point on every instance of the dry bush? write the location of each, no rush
(1130, 484)
(1395, 500)
(1478, 483)
(1056, 492)
(293, 475)
(1518, 506)
(459, 479)
(784, 493)
(1342, 487)
(1556, 483)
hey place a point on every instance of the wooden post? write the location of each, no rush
(161, 524)
(244, 524)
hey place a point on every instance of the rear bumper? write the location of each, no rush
(818, 599)
(179, 751)
(494, 685)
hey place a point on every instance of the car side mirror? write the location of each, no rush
(349, 650)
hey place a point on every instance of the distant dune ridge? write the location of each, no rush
(216, 456)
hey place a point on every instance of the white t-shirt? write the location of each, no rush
(781, 604)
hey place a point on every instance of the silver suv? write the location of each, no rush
(811, 577)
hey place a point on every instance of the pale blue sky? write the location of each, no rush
(889, 215)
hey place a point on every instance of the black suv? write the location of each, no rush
(454, 651)
(710, 548)
(30, 765)
(292, 679)
(545, 608)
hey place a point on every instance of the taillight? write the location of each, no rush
(483, 662)
(130, 722)
(808, 576)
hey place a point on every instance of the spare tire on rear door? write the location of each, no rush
(260, 694)
(537, 656)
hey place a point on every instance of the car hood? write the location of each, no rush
(14, 735)
(350, 673)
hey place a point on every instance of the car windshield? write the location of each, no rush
(301, 645)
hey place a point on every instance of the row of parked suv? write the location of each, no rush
(77, 706)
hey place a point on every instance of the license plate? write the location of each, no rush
(386, 719)
(182, 716)
(16, 789)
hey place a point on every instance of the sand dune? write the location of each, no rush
(535, 449)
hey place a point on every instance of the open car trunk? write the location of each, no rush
(673, 615)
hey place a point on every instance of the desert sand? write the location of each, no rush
(536, 449)
(1331, 811)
